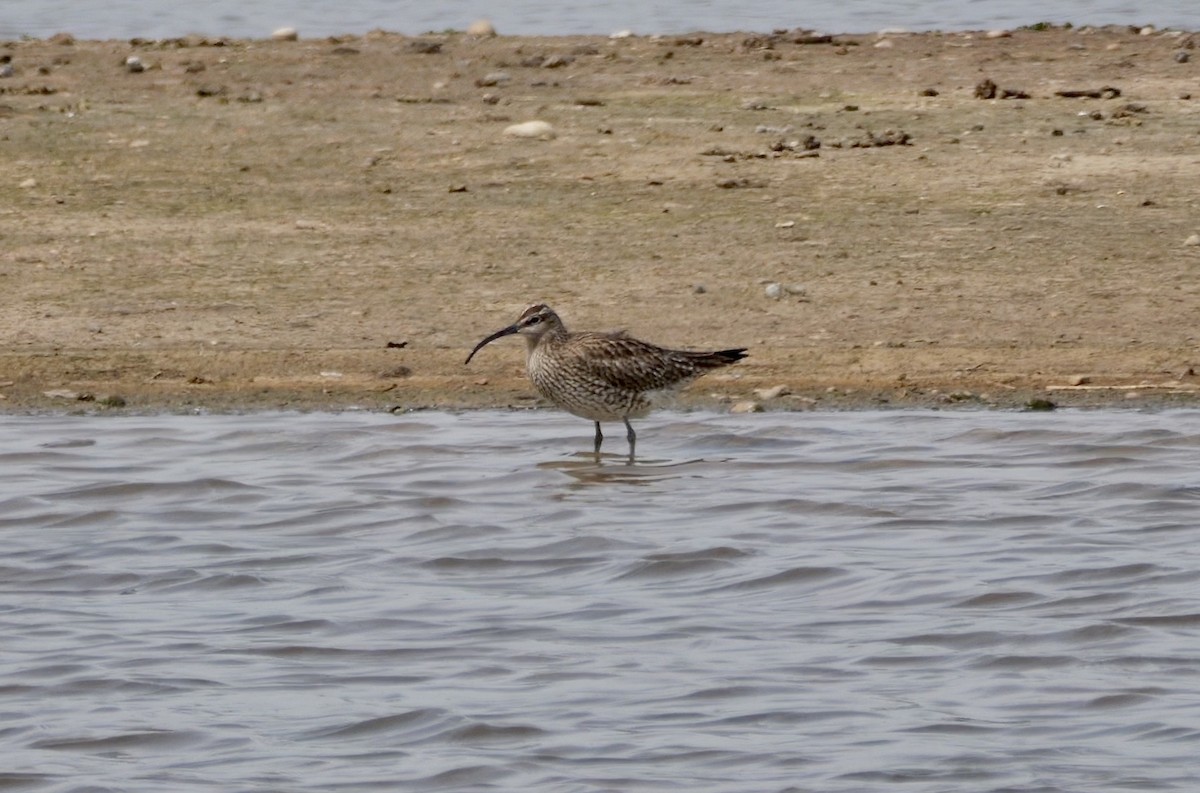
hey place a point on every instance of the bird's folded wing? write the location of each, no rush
(629, 363)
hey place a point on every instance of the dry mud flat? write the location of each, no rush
(899, 219)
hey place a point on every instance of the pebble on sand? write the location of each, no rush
(493, 78)
(1192, 241)
(774, 392)
(286, 34)
(134, 64)
(481, 28)
(28, 184)
(61, 393)
(540, 130)
(746, 406)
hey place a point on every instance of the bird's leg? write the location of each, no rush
(599, 439)
(632, 436)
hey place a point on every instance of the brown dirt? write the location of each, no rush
(247, 224)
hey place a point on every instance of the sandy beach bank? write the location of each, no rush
(904, 219)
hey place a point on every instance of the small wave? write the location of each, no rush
(420, 722)
(493, 733)
(128, 742)
(795, 575)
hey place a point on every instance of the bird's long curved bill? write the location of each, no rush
(511, 329)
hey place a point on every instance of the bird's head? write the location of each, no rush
(533, 323)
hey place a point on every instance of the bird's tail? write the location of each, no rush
(714, 360)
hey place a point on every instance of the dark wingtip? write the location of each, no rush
(732, 356)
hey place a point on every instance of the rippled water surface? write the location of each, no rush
(915, 601)
(167, 18)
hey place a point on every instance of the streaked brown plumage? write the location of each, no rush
(603, 376)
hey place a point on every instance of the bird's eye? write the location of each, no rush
(533, 320)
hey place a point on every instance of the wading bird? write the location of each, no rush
(603, 376)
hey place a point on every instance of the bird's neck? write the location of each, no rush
(552, 336)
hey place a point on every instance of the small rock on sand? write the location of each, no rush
(746, 406)
(493, 78)
(773, 392)
(541, 130)
(481, 28)
(1191, 241)
(286, 34)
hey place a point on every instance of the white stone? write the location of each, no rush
(772, 393)
(622, 34)
(1191, 241)
(774, 290)
(28, 184)
(286, 34)
(540, 130)
(495, 78)
(481, 28)
(746, 406)
(998, 34)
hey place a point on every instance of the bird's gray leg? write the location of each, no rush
(632, 436)
(599, 438)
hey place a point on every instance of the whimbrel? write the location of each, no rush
(603, 376)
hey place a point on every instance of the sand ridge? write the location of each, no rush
(334, 223)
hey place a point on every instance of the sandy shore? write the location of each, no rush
(334, 223)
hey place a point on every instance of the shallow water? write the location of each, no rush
(167, 18)
(978, 601)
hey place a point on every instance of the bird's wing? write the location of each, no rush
(628, 362)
